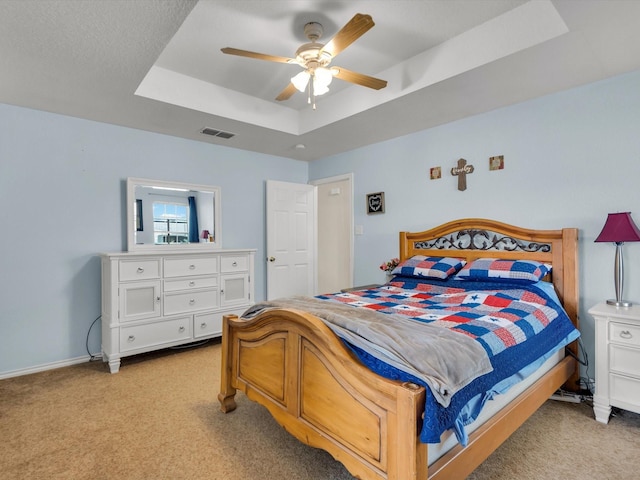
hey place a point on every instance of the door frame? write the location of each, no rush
(340, 178)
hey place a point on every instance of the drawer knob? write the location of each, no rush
(203, 325)
(131, 338)
(181, 329)
(192, 267)
(626, 334)
(235, 264)
(192, 283)
(140, 270)
(192, 302)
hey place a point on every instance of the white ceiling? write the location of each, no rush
(156, 65)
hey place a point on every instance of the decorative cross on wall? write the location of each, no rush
(461, 171)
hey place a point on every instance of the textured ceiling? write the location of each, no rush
(157, 66)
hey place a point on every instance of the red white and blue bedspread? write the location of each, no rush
(516, 324)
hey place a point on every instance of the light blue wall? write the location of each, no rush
(570, 158)
(62, 202)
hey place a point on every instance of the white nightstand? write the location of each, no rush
(617, 359)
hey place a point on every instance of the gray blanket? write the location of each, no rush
(445, 360)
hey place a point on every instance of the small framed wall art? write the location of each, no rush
(496, 163)
(435, 173)
(375, 203)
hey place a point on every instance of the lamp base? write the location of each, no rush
(621, 303)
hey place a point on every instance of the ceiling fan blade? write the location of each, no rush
(287, 92)
(358, 78)
(354, 29)
(259, 56)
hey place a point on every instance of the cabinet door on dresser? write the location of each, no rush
(139, 300)
(235, 280)
(139, 288)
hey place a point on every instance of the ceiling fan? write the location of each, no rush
(315, 58)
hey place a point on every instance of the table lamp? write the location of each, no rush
(619, 228)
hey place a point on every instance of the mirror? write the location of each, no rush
(172, 216)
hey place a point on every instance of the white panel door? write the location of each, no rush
(291, 239)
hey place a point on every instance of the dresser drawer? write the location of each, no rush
(190, 283)
(190, 301)
(144, 336)
(624, 334)
(182, 267)
(623, 359)
(234, 263)
(205, 324)
(141, 269)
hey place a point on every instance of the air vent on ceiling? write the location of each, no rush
(217, 133)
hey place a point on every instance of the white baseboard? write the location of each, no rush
(47, 366)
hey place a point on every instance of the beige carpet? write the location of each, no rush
(159, 419)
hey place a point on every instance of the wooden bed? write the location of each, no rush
(293, 364)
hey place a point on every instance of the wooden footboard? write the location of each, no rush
(314, 387)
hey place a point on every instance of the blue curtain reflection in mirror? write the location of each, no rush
(138, 213)
(193, 221)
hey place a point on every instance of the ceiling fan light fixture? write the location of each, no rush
(319, 88)
(301, 80)
(323, 76)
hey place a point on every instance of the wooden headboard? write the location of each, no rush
(472, 238)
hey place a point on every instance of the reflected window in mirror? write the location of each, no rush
(170, 223)
(183, 215)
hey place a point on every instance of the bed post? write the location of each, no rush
(406, 453)
(571, 294)
(404, 246)
(227, 394)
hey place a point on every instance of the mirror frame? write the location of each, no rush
(132, 183)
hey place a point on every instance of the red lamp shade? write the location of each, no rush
(619, 227)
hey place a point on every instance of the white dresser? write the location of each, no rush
(617, 359)
(152, 301)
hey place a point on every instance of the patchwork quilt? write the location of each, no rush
(515, 324)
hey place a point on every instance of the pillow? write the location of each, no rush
(523, 271)
(428, 267)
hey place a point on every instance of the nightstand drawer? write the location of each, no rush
(624, 334)
(625, 392)
(624, 360)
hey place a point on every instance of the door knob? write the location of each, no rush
(272, 259)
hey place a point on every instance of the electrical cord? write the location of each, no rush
(585, 383)
(191, 345)
(92, 357)
(584, 362)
